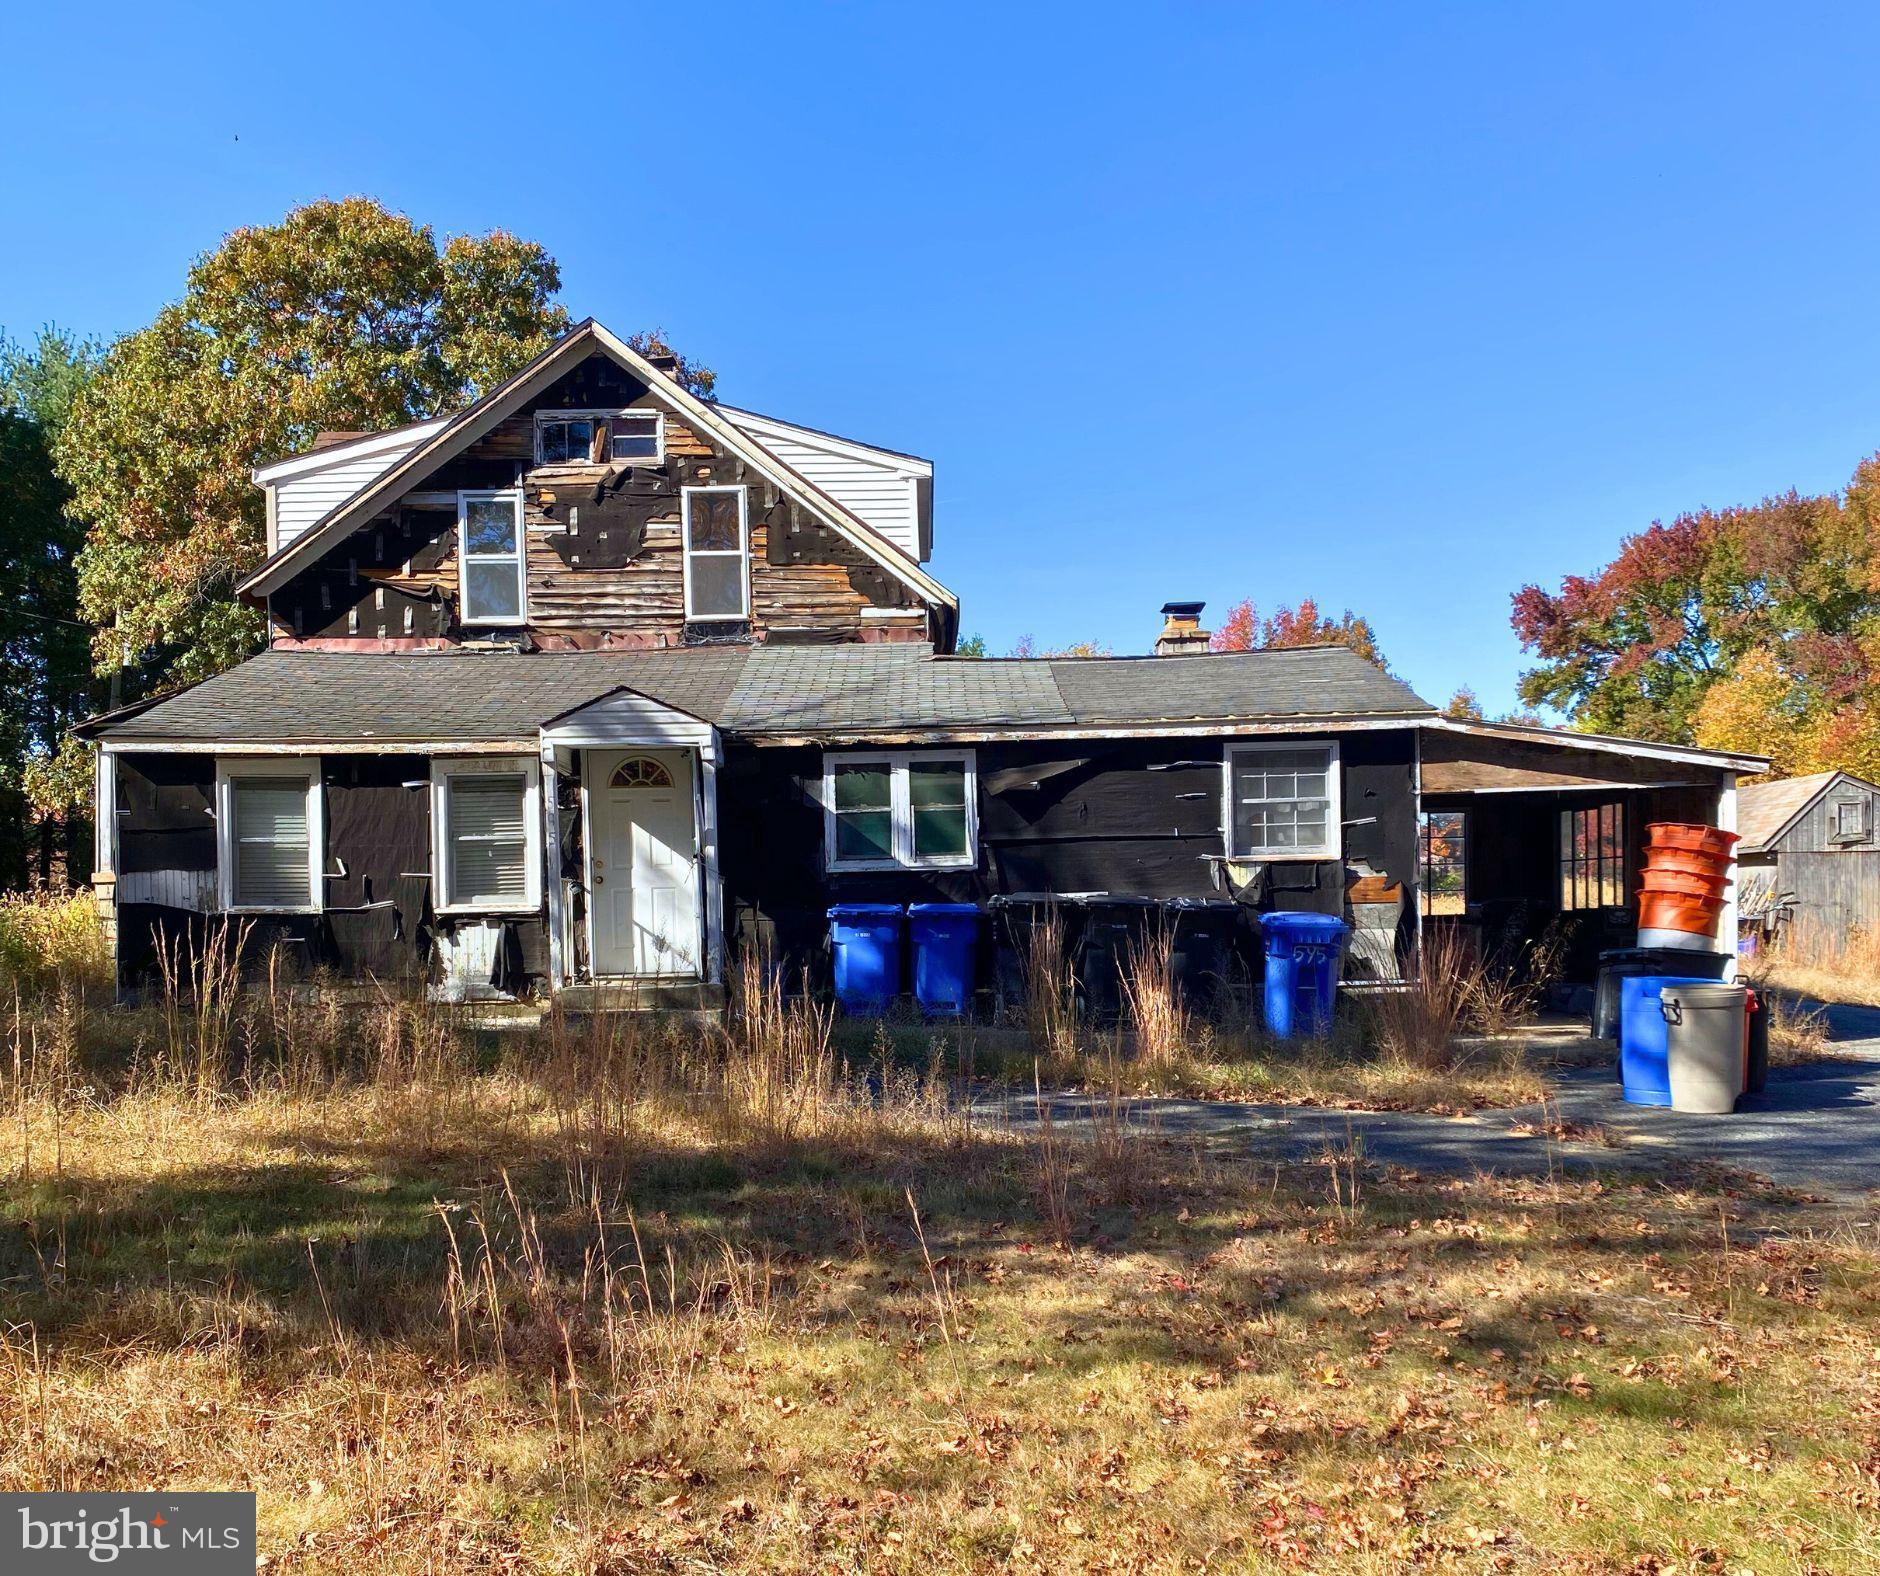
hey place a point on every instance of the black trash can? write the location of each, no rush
(1202, 932)
(1756, 1053)
(1015, 917)
(1619, 963)
(1114, 926)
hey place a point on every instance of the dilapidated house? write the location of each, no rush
(579, 689)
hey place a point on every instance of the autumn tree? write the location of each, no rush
(693, 377)
(1244, 630)
(342, 316)
(1463, 706)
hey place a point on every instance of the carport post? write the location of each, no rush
(1726, 926)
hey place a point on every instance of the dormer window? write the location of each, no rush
(597, 437)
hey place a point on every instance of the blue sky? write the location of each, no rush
(1395, 306)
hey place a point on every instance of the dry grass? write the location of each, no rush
(604, 1298)
(1829, 966)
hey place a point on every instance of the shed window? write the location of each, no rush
(717, 554)
(1592, 857)
(268, 835)
(1282, 801)
(488, 849)
(596, 437)
(1850, 821)
(903, 810)
(490, 557)
(1443, 837)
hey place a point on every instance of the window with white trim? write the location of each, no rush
(717, 536)
(1282, 801)
(598, 437)
(486, 834)
(268, 835)
(490, 557)
(900, 810)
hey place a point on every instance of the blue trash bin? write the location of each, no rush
(1302, 952)
(866, 941)
(945, 942)
(1644, 1070)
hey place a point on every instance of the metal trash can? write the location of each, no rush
(1620, 963)
(1704, 1032)
(1644, 1074)
(944, 939)
(1113, 927)
(1201, 946)
(1302, 957)
(865, 939)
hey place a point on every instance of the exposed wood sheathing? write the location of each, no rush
(604, 553)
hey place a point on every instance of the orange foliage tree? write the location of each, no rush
(1244, 630)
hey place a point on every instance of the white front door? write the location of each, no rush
(643, 863)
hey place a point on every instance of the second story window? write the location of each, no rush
(490, 557)
(596, 437)
(717, 554)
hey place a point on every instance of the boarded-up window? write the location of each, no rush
(488, 840)
(272, 858)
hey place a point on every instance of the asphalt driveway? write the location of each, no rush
(1816, 1128)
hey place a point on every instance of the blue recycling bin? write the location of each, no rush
(865, 939)
(945, 942)
(1644, 1068)
(1302, 951)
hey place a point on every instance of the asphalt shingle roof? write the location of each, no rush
(292, 697)
(1763, 809)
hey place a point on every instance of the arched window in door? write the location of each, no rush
(640, 771)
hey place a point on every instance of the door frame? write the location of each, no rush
(612, 754)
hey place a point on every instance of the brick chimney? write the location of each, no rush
(1182, 634)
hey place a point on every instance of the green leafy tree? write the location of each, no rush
(45, 660)
(342, 316)
(971, 646)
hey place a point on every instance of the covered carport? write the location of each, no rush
(1527, 832)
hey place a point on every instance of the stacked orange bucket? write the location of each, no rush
(1682, 888)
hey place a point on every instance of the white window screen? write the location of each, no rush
(488, 837)
(272, 868)
(1283, 802)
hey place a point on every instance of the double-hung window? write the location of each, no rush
(1282, 801)
(716, 523)
(900, 810)
(597, 437)
(490, 557)
(268, 842)
(1592, 857)
(486, 828)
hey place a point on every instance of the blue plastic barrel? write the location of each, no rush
(1302, 951)
(945, 941)
(1644, 1071)
(866, 941)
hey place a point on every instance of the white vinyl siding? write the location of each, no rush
(486, 819)
(268, 846)
(882, 489)
(307, 497)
